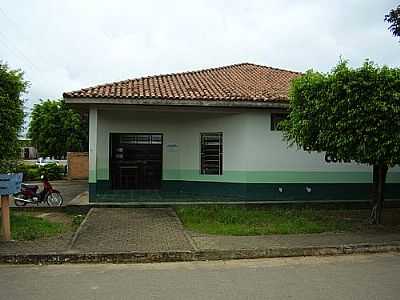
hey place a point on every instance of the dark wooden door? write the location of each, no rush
(136, 161)
(26, 153)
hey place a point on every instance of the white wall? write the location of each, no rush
(252, 152)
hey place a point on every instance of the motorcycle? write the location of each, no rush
(29, 194)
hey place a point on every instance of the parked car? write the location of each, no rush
(41, 161)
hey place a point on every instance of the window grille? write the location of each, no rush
(211, 153)
(141, 139)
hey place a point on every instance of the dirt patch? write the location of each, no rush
(56, 217)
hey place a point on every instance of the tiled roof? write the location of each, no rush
(240, 82)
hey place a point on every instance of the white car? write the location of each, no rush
(41, 162)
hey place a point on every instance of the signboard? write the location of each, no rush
(172, 147)
(10, 183)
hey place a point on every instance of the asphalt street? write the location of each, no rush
(343, 277)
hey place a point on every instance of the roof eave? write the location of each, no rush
(275, 103)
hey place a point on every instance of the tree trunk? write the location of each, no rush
(379, 179)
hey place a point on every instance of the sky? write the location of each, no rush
(67, 45)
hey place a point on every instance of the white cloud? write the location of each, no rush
(66, 45)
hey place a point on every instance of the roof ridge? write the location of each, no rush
(225, 82)
(274, 68)
(187, 72)
(190, 72)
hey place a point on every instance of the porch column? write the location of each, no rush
(92, 151)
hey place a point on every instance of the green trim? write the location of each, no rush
(92, 176)
(278, 176)
(102, 173)
(202, 192)
(392, 177)
(93, 117)
(262, 176)
(92, 191)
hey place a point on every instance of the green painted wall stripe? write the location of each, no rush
(102, 173)
(277, 176)
(92, 176)
(263, 176)
(197, 191)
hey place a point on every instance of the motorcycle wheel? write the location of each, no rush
(54, 199)
(19, 202)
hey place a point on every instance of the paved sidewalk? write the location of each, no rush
(132, 229)
(57, 244)
(221, 242)
(80, 199)
(156, 234)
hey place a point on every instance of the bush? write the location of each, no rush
(33, 172)
(53, 171)
(30, 172)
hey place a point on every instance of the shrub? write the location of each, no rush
(33, 172)
(53, 171)
(30, 172)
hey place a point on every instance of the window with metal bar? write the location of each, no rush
(211, 153)
(141, 139)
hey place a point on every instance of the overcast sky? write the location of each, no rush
(67, 45)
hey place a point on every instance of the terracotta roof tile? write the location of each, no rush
(236, 82)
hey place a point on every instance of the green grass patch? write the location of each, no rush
(25, 226)
(240, 220)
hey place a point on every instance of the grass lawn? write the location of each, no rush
(32, 226)
(239, 220)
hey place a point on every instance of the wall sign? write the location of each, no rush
(172, 147)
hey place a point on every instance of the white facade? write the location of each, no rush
(252, 152)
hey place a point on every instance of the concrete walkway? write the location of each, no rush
(131, 229)
(156, 234)
(221, 242)
(123, 230)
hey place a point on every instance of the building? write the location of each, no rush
(207, 136)
(28, 151)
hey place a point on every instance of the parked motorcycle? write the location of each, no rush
(29, 194)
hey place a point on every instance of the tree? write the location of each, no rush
(352, 115)
(56, 129)
(394, 19)
(12, 86)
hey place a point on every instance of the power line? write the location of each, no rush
(17, 57)
(18, 51)
(21, 53)
(15, 24)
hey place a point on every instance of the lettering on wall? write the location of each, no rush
(172, 147)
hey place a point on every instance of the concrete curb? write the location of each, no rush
(78, 231)
(201, 255)
(77, 200)
(187, 236)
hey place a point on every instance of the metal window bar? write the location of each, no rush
(211, 153)
(144, 139)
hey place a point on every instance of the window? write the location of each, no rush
(211, 153)
(276, 118)
(140, 139)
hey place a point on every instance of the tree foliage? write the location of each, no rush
(56, 129)
(12, 86)
(394, 19)
(351, 114)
